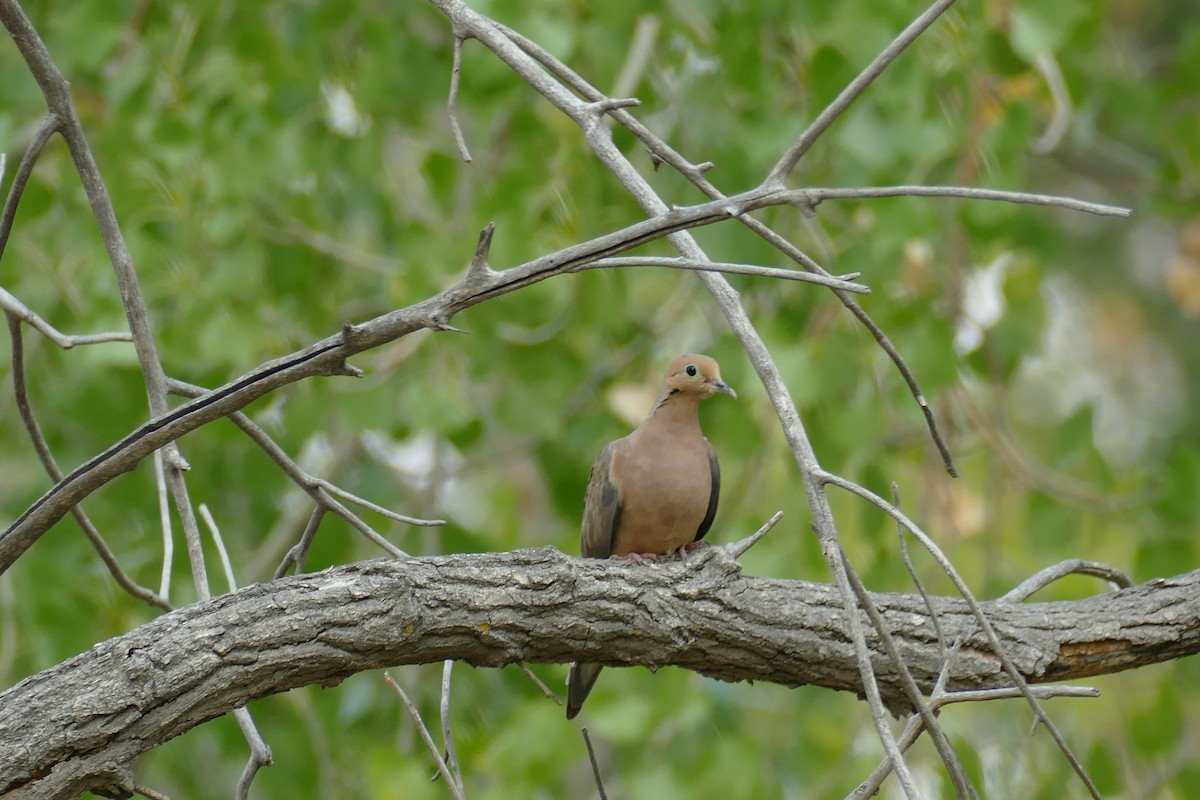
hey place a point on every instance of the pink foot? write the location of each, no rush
(689, 547)
(638, 558)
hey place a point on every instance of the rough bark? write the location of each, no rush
(81, 724)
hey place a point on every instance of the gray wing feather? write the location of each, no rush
(601, 508)
(714, 494)
(601, 517)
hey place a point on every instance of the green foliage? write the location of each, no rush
(260, 222)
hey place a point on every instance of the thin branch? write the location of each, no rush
(1011, 693)
(50, 465)
(452, 102)
(787, 162)
(915, 727)
(165, 525)
(587, 740)
(958, 777)
(912, 731)
(15, 308)
(818, 195)
(191, 530)
(367, 504)
(359, 524)
(319, 489)
(426, 737)
(833, 552)
(842, 282)
(50, 125)
(260, 753)
(447, 739)
(659, 150)
(298, 553)
(56, 92)
(902, 535)
(736, 549)
(1074, 566)
(984, 624)
(219, 542)
(479, 268)
(148, 793)
(538, 682)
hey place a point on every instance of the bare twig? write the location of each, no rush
(1074, 566)
(50, 465)
(736, 549)
(842, 282)
(298, 553)
(984, 624)
(587, 740)
(15, 308)
(787, 162)
(319, 489)
(48, 128)
(191, 531)
(148, 793)
(219, 542)
(915, 727)
(378, 509)
(902, 535)
(452, 102)
(1011, 693)
(954, 768)
(479, 268)
(164, 514)
(426, 737)
(912, 731)
(260, 753)
(56, 93)
(817, 195)
(447, 739)
(538, 682)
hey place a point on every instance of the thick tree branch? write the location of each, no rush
(82, 723)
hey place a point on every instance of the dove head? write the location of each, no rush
(695, 376)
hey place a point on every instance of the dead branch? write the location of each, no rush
(81, 723)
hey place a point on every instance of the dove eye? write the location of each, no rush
(691, 370)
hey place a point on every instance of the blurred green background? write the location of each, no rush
(281, 167)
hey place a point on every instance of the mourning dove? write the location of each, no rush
(655, 491)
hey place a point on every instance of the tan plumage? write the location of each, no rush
(655, 490)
